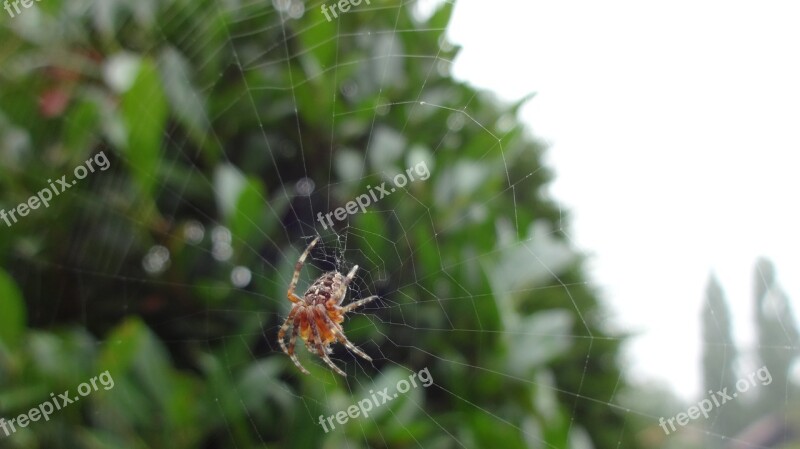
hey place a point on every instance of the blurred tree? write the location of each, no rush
(778, 342)
(768, 418)
(719, 360)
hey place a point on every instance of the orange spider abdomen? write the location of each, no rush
(324, 330)
(325, 333)
(305, 329)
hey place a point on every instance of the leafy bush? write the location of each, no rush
(216, 118)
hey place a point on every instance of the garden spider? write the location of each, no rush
(318, 314)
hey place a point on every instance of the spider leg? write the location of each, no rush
(350, 275)
(337, 330)
(284, 328)
(321, 351)
(297, 267)
(290, 350)
(358, 303)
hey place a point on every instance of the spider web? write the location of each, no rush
(375, 327)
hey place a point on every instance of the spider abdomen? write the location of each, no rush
(330, 285)
(314, 317)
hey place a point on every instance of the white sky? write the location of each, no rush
(674, 131)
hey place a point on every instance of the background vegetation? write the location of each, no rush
(217, 117)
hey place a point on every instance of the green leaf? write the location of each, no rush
(229, 182)
(248, 219)
(488, 430)
(319, 38)
(22, 397)
(187, 102)
(374, 233)
(386, 148)
(13, 316)
(441, 18)
(80, 126)
(140, 366)
(539, 338)
(65, 356)
(211, 290)
(388, 379)
(132, 346)
(144, 111)
(101, 439)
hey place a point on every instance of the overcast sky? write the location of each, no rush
(674, 131)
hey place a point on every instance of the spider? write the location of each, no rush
(318, 314)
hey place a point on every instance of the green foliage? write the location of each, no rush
(12, 320)
(211, 112)
(144, 112)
